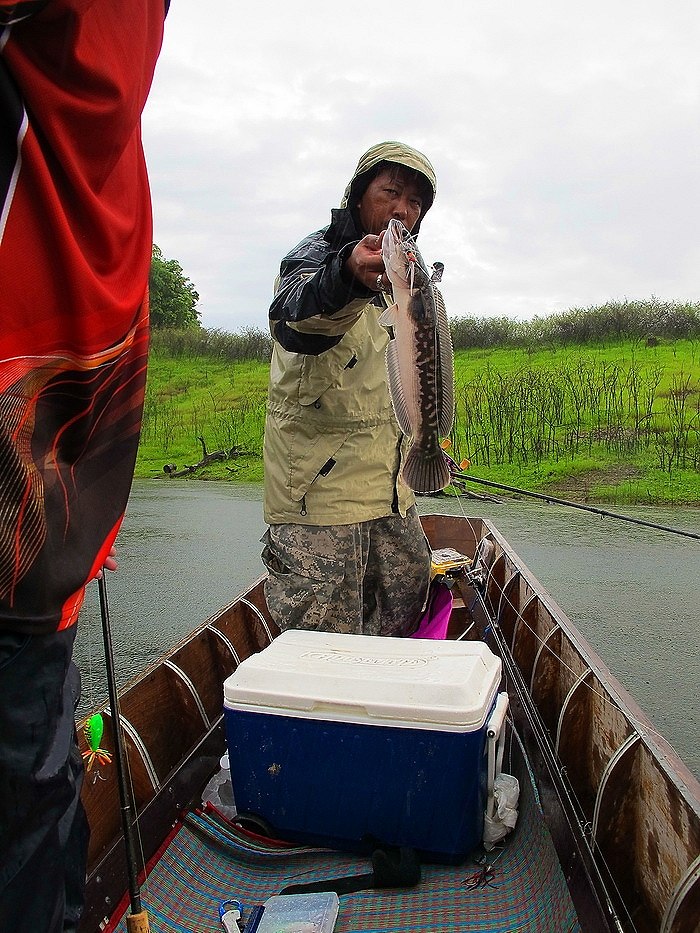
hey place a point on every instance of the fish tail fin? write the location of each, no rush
(426, 470)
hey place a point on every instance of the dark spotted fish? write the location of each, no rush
(420, 360)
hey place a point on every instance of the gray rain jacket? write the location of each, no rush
(333, 450)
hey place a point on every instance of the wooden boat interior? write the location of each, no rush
(622, 809)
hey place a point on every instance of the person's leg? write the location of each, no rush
(74, 832)
(314, 576)
(43, 833)
(397, 575)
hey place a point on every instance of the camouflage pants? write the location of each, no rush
(369, 578)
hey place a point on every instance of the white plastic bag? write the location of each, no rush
(506, 792)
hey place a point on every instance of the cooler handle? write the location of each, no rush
(495, 736)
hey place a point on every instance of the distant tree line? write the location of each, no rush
(650, 321)
(174, 309)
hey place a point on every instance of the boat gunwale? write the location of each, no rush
(664, 753)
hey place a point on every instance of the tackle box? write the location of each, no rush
(349, 740)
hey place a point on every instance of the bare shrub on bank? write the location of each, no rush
(616, 320)
(565, 412)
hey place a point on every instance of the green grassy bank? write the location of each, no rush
(614, 421)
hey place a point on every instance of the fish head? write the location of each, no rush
(404, 264)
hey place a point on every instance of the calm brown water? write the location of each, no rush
(188, 548)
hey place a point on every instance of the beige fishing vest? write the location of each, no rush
(333, 449)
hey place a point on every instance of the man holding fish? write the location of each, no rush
(345, 549)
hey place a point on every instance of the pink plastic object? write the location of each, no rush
(436, 617)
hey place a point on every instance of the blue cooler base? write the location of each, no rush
(349, 786)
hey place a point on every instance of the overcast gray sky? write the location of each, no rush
(566, 141)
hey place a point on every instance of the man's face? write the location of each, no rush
(393, 193)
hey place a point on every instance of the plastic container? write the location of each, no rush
(350, 740)
(299, 913)
(219, 791)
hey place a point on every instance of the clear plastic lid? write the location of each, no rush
(299, 913)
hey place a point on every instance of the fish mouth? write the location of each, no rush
(397, 227)
(394, 247)
(398, 233)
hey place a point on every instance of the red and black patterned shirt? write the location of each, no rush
(75, 249)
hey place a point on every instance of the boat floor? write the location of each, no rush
(208, 860)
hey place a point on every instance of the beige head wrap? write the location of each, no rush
(390, 151)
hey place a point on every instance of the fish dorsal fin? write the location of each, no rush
(446, 390)
(388, 317)
(398, 398)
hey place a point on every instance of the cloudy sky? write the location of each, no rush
(565, 137)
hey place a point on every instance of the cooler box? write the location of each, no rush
(346, 740)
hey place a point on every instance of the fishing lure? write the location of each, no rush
(92, 730)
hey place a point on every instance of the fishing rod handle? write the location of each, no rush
(138, 923)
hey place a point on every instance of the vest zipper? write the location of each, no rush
(395, 499)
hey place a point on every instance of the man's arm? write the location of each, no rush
(321, 293)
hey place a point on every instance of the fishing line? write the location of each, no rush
(93, 757)
(91, 674)
(576, 505)
(573, 810)
(553, 762)
(644, 729)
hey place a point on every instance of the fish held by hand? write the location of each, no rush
(420, 359)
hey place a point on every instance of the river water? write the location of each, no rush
(188, 547)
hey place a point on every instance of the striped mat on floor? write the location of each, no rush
(208, 861)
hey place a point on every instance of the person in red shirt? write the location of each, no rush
(75, 251)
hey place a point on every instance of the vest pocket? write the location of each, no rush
(317, 459)
(321, 372)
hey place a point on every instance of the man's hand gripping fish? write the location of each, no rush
(420, 360)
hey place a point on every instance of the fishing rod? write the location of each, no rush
(137, 921)
(458, 473)
(562, 787)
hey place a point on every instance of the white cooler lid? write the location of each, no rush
(408, 682)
